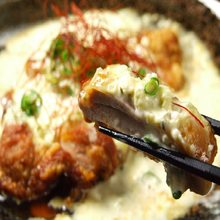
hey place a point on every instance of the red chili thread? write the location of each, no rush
(107, 48)
(189, 113)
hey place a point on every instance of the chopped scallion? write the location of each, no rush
(58, 43)
(57, 47)
(51, 78)
(31, 103)
(121, 90)
(150, 138)
(151, 88)
(69, 91)
(90, 73)
(64, 55)
(142, 72)
(67, 71)
(146, 138)
(177, 194)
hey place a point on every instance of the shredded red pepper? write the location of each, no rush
(106, 48)
(196, 118)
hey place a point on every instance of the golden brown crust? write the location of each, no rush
(94, 155)
(16, 158)
(202, 138)
(28, 174)
(165, 48)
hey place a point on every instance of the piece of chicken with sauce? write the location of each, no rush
(145, 108)
(81, 153)
(163, 46)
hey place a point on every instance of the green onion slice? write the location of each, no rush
(57, 47)
(67, 71)
(142, 72)
(69, 91)
(177, 194)
(152, 87)
(147, 138)
(64, 55)
(31, 103)
(51, 78)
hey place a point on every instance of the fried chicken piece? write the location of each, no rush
(164, 46)
(21, 173)
(143, 107)
(27, 174)
(16, 158)
(93, 155)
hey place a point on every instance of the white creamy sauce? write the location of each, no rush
(54, 111)
(138, 190)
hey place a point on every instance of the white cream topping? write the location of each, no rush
(119, 81)
(55, 110)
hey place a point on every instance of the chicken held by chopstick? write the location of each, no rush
(118, 99)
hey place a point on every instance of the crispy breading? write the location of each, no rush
(27, 174)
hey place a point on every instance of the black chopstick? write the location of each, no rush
(192, 165)
(214, 123)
